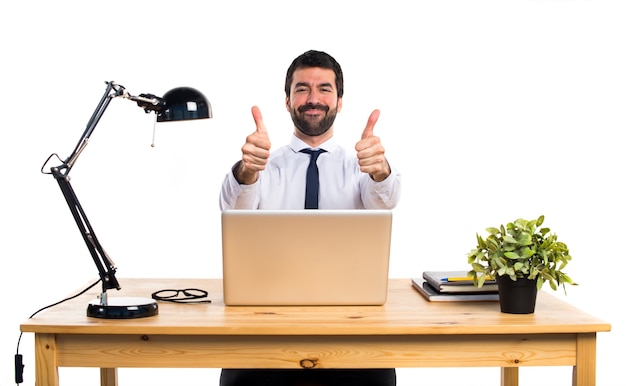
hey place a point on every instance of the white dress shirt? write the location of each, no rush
(282, 184)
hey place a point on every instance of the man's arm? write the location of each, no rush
(239, 189)
(235, 195)
(384, 194)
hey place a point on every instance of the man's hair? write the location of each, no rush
(319, 59)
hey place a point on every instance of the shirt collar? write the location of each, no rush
(296, 144)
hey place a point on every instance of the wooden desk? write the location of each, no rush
(406, 332)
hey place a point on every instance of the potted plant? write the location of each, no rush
(521, 256)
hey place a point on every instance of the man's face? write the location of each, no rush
(313, 103)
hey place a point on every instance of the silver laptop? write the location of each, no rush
(305, 257)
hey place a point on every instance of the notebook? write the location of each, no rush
(305, 257)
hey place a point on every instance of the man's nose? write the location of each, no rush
(313, 97)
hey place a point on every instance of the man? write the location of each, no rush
(281, 180)
(314, 92)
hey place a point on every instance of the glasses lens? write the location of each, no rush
(168, 293)
(194, 293)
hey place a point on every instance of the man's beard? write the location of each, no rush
(313, 129)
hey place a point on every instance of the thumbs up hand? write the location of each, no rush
(255, 152)
(371, 153)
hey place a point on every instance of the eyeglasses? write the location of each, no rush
(187, 295)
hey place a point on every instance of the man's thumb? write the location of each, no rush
(258, 120)
(371, 122)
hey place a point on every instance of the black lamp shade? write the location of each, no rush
(184, 103)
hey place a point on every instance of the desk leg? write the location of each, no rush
(108, 377)
(46, 369)
(509, 376)
(584, 373)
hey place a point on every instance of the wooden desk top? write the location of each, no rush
(405, 313)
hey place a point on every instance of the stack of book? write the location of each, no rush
(445, 286)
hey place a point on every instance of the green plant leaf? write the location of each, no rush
(525, 239)
(512, 255)
(493, 231)
(509, 239)
(540, 220)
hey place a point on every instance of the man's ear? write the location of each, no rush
(339, 104)
(287, 103)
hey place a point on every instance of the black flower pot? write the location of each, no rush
(517, 296)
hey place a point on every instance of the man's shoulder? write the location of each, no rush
(282, 151)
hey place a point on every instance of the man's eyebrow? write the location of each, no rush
(306, 84)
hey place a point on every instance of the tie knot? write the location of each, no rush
(313, 153)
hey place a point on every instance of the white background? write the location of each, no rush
(492, 110)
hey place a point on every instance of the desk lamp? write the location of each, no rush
(179, 104)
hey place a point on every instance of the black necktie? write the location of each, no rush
(312, 180)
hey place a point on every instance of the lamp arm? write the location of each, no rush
(113, 90)
(148, 102)
(106, 267)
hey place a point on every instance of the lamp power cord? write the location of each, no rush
(19, 366)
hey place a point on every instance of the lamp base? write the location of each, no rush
(123, 308)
